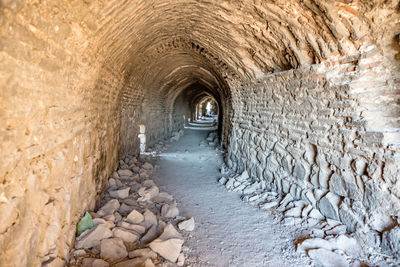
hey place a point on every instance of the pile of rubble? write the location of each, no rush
(135, 225)
(327, 242)
(211, 140)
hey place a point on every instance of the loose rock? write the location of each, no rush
(187, 225)
(113, 248)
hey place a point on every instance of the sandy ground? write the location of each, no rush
(228, 231)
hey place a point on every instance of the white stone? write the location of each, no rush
(144, 252)
(135, 217)
(187, 225)
(110, 207)
(326, 258)
(113, 248)
(121, 193)
(125, 234)
(222, 181)
(125, 172)
(88, 238)
(168, 244)
(169, 211)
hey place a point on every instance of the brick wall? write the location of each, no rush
(305, 132)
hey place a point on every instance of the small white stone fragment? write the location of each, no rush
(135, 217)
(187, 225)
(222, 181)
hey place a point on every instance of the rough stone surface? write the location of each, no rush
(187, 225)
(113, 248)
(89, 238)
(168, 244)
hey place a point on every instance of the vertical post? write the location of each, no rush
(142, 138)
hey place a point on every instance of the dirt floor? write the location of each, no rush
(228, 231)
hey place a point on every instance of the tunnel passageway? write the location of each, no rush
(307, 104)
(228, 232)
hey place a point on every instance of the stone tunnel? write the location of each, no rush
(307, 94)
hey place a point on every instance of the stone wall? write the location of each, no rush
(59, 129)
(308, 132)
